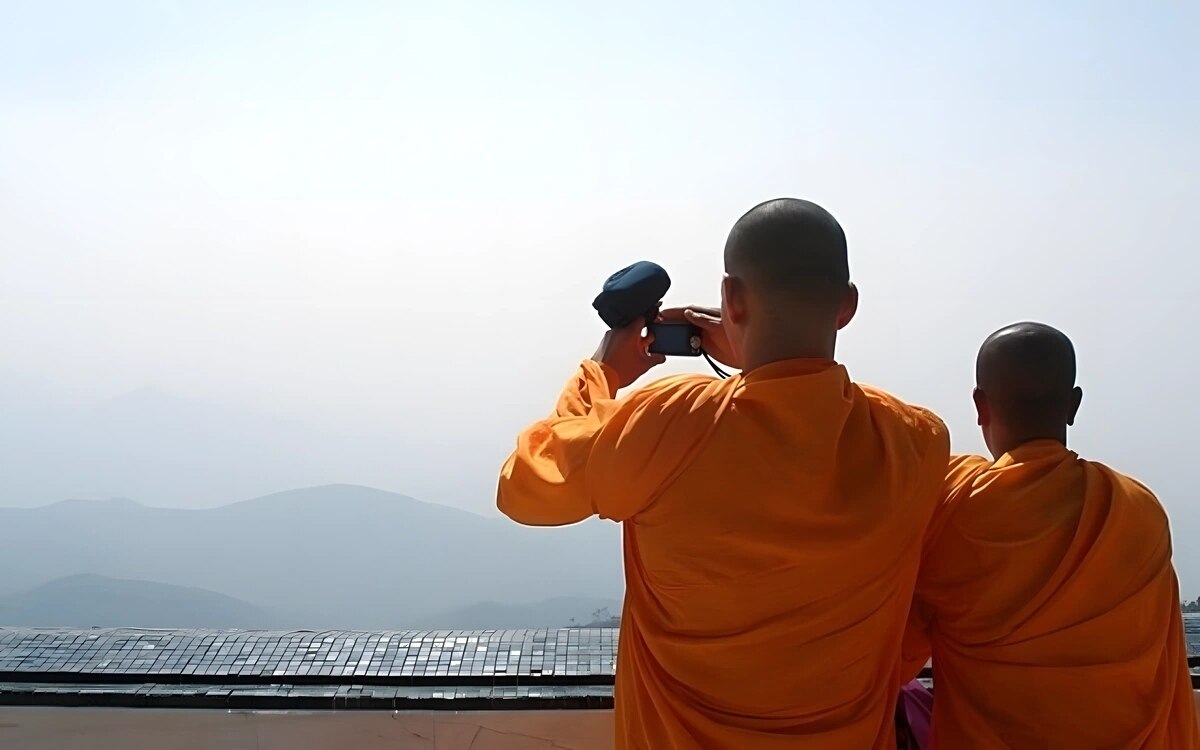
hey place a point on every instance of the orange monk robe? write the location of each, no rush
(773, 525)
(1048, 594)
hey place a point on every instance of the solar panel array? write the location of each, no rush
(582, 654)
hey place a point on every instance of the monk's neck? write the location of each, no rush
(1009, 443)
(770, 347)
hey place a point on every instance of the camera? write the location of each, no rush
(635, 292)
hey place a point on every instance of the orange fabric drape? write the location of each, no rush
(1049, 601)
(773, 527)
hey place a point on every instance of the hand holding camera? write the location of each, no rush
(628, 352)
(714, 340)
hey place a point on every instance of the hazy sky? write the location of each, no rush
(375, 218)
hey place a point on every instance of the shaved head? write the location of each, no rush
(789, 247)
(786, 291)
(1026, 372)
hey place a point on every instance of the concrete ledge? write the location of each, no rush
(311, 698)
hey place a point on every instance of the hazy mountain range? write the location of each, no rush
(83, 601)
(329, 556)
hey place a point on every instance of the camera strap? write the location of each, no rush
(716, 368)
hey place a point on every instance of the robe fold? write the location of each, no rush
(772, 532)
(1048, 599)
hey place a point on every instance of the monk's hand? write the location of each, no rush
(713, 337)
(627, 351)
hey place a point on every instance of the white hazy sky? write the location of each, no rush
(371, 215)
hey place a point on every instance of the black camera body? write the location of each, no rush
(675, 339)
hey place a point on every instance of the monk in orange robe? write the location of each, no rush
(1047, 592)
(772, 521)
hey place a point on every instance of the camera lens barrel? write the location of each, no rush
(632, 292)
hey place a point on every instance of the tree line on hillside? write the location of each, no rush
(601, 618)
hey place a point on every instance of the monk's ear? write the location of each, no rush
(848, 307)
(733, 295)
(1076, 400)
(982, 410)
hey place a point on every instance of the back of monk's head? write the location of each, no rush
(787, 270)
(1025, 385)
(788, 246)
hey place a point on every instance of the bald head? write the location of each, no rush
(788, 247)
(1026, 374)
(787, 289)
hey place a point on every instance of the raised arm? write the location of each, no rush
(597, 455)
(543, 483)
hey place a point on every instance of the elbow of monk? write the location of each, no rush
(504, 500)
(504, 490)
(507, 501)
(517, 506)
(506, 508)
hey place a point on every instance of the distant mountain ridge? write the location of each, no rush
(85, 600)
(330, 556)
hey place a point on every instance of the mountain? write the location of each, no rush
(330, 556)
(558, 612)
(89, 600)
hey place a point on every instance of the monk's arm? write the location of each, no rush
(917, 646)
(594, 455)
(599, 456)
(542, 482)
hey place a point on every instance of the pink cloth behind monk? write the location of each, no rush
(916, 713)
